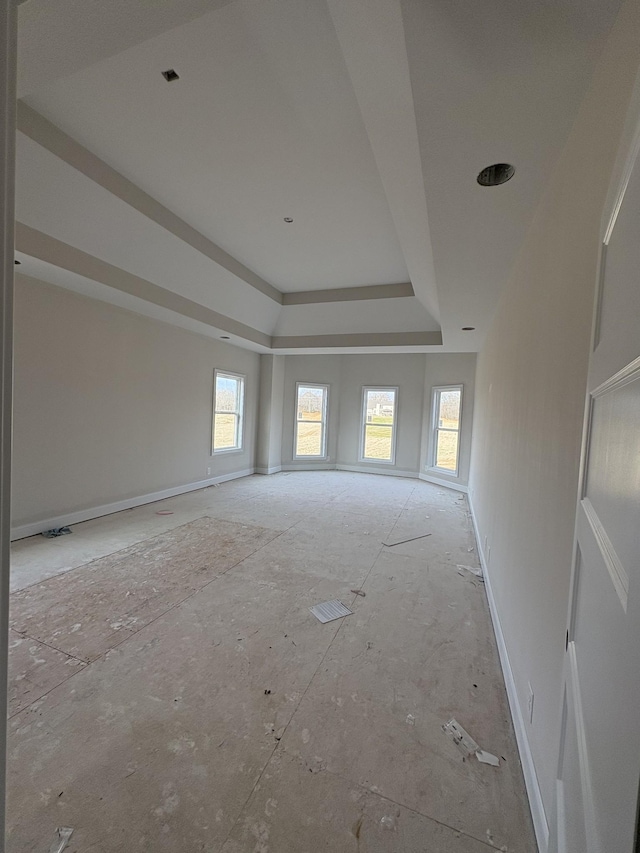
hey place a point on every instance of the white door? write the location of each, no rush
(599, 761)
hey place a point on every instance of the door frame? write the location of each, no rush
(8, 41)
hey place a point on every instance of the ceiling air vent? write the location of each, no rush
(170, 75)
(493, 176)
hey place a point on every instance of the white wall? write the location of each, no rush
(530, 389)
(414, 374)
(110, 405)
(269, 442)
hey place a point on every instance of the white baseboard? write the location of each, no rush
(439, 481)
(34, 527)
(374, 469)
(275, 470)
(538, 814)
(309, 466)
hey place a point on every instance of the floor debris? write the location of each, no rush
(462, 739)
(56, 531)
(164, 512)
(467, 745)
(410, 539)
(476, 572)
(487, 758)
(63, 834)
(330, 610)
(359, 592)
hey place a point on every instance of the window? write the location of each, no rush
(378, 424)
(228, 411)
(447, 407)
(311, 421)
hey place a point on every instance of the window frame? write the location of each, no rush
(436, 394)
(324, 421)
(239, 413)
(363, 424)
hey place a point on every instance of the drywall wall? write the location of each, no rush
(111, 405)
(269, 442)
(449, 369)
(414, 374)
(530, 387)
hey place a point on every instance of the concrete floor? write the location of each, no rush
(171, 691)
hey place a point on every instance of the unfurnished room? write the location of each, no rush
(319, 426)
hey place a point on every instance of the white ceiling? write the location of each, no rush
(366, 121)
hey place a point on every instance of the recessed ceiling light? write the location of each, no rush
(493, 176)
(170, 75)
(468, 328)
(288, 219)
(225, 338)
(17, 263)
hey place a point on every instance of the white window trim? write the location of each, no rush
(363, 423)
(324, 422)
(436, 391)
(243, 379)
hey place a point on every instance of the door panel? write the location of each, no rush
(599, 762)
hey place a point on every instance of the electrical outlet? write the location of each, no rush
(530, 704)
(208, 470)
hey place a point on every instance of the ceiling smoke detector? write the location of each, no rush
(493, 176)
(170, 75)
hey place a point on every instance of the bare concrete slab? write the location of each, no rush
(394, 674)
(170, 731)
(208, 710)
(297, 808)
(35, 669)
(92, 609)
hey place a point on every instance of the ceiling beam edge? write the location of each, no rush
(61, 145)
(358, 339)
(348, 294)
(372, 40)
(38, 245)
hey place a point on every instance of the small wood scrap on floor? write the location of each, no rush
(476, 572)
(63, 834)
(360, 592)
(467, 745)
(402, 541)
